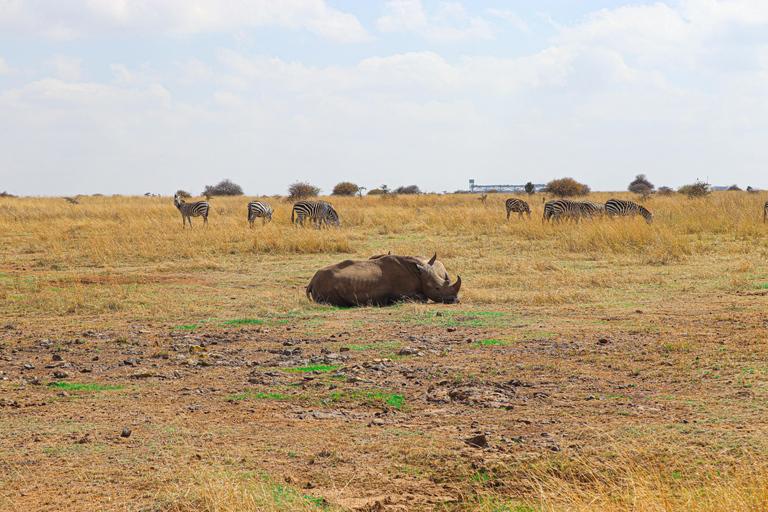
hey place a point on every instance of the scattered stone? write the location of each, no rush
(603, 341)
(378, 422)
(591, 397)
(477, 441)
(343, 349)
(132, 361)
(35, 381)
(64, 393)
(310, 485)
(57, 357)
(126, 432)
(29, 366)
(408, 351)
(60, 374)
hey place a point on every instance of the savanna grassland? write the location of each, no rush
(604, 365)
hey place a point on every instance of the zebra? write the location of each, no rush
(317, 211)
(765, 211)
(616, 207)
(518, 206)
(259, 209)
(189, 210)
(590, 209)
(561, 209)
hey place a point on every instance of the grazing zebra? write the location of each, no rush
(517, 206)
(765, 211)
(590, 209)
(616, 207)
(561, 209)
(259, 209)
(318, 211)
(189, 210)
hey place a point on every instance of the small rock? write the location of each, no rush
(377, 422)
(35, 381)
(63, 393)
(57, 357)
(310, 485)
(603, 341)
(60, 374)
(132, 361)
(29, 366)
(591, 397)
(126, 432)
(478, 441)
(451, 329)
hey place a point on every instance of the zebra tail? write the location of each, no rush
(292, 212)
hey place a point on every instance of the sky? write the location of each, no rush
(133, 97)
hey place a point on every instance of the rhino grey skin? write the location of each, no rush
(438, 265)
(381, 281)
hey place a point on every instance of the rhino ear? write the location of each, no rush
(432, 261)
(389, 253)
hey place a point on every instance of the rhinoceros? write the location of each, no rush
(383, 280)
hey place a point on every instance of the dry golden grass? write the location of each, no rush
(680, 296)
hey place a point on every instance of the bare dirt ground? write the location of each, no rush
(401, 408)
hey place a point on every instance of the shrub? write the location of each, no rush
(566, 187)
(493, 191)
(734, 187)
(410, 189)
(6, 194)
(183, 194)
(376, 192)
(223, 188)
(345, 188)
(665, 191)
(302, 190)
(698, 189)
(641, 186)
(530, 188)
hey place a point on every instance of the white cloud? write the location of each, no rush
(449, 22)
(512, 18)
(82, 18)
(65, 68)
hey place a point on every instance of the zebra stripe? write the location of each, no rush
(616, 207)
(318, 211)
(259, 209)
(590, 209)
(189, 210)
(517, 206)
(765, 211)
(561, 209)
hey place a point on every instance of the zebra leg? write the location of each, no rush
(508, 212)
(205, 221)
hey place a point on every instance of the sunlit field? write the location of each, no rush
(640, 349)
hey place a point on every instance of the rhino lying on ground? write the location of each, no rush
(383, 280)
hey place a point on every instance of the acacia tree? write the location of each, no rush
(345, 188)
(530, 188)
(641, 186)
(566, 187)
(223, 188)
(302, 190)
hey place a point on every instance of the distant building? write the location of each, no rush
(509, 189)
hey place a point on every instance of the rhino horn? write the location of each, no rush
(457, 285)
(432, 261)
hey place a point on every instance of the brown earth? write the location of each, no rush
(381, 414)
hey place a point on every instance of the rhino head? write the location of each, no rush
(436, 285)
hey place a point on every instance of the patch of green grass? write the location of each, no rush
(378, 398)
(253, 395)
(187, 327)
(324, 368)
(243, 321)
(489, 342)
(87, 387)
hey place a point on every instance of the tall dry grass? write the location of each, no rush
(516, 261)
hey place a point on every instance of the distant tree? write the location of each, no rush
(665, 191)
(183, 194)
(735, 187)
(493, 191)
(302, 190)
(375, 192)
(698, 189)
(641, 186)
(462, 192)
(410, 189)
(345, 188)
(530, 188)
(223, 188)
(566, 187)
(6, 194)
